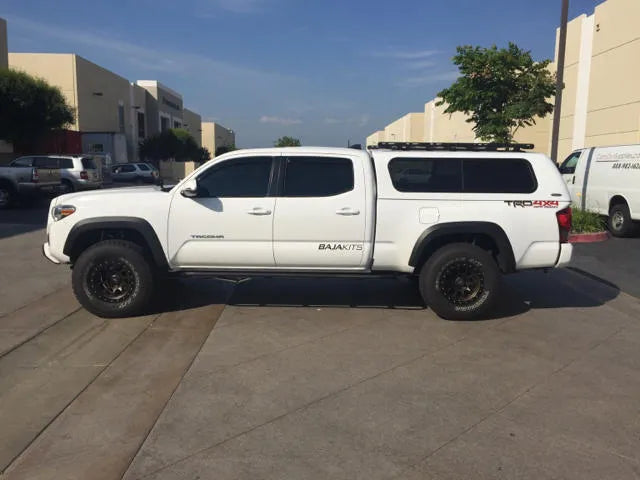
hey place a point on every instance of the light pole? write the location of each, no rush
(557, 110)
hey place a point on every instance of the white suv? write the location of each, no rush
(454, 216)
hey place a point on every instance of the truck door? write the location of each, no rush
(320, 213)
(230, 221)
(569, 172)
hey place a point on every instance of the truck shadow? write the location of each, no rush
(520, 293)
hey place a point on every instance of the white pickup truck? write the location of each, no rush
(453, 215)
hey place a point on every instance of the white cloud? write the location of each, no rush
(280, 120)
(419, 64)
(427, 79)
(406, 54)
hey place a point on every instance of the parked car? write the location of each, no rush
(323, 211)
(26, 182)
(104, 163)
(138, 173)
(606, 180)
(77, 172)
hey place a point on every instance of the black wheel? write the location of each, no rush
(620, 223)
(7, 195)
(459, 281)
(66, 187)
(113, 279)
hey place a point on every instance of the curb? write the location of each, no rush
(588, 237)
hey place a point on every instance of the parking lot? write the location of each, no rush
(277, 378)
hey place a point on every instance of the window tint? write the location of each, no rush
(23, 162)
(88, 163)
(498, 175)
(46, 162)
(317, 176)
(569, 165)
(66, 163)
(426, 174)
(123, 168)
(243, 177)
(143, 167)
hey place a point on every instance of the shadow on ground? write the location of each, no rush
(519, 294)
(23, 218)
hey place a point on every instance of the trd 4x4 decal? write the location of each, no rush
(533, 203)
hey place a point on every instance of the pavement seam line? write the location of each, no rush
(33, 301)
(304, 407)
(75, 397)
(175, 389)
(517, 397)
(39, 332)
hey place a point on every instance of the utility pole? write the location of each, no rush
(557, 110)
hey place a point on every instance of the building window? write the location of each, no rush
(96, 147)
(121, 118)
(164, 124)
(141, 130)
(177, 124)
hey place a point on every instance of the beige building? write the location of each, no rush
(100, 98)
(164, 106)
(4, 49)
(215, 137)
(193, 124)
(408, 128)
(375, 138)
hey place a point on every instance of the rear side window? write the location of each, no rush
(66, 163)
(498, 175)
(462, 175)
(23, 162)
(426, 174)
(143, 167)
(46, 162)
(88, 163)
(317, 176)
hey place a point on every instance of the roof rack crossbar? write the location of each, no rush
(445, 146)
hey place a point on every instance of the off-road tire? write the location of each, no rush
(437, 274)
(132, 257)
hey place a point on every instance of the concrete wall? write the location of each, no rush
(193, 124)
(176, 171)
(215, 135)
(4, 49)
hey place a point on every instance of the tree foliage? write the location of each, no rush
(30, 108)
(174, 143)
(221, 150)
(501, 90)
(287, 142)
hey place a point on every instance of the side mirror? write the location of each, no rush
(190, 189)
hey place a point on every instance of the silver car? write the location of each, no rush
(77, 172)
(138, 173)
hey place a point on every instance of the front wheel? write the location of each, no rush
(7, 195)
(113, 279)
(460, 282)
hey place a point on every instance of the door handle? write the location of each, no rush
(347, 211)
(259, 211)
(573, 182)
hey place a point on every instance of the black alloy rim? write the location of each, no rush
(111, 280)
(461, 282)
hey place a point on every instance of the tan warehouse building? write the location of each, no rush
(601, 98)
(193, 124)
(215, 136)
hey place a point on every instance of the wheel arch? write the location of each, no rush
(92, 230)
(487, 235)
(617, 199)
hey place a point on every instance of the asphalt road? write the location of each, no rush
(313, 379)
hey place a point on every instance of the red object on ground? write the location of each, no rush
(588, 237)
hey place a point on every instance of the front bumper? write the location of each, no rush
(564, 258)
(46, 251)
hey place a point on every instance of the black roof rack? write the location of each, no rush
(443, 146)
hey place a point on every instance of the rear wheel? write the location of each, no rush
(113, 279)
(7, 195)
(620, 223)
(459, 282)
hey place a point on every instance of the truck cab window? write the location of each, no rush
(317, 176)
(239, 178)
(569, 165)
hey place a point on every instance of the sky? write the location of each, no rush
(326, 71)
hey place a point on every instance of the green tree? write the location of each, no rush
(225, 149)
(30, 108)
(287, 142)
(174, 143)
(501, 90)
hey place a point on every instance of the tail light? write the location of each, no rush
(564, 224)
(84, 175)
(35, 176)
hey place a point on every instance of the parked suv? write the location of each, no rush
(454, 217)
(135, 173)
(77, 172)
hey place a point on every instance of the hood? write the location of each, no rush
(109, 192)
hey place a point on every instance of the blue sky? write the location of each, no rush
(325, 71)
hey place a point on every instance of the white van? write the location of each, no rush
(606, 180)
